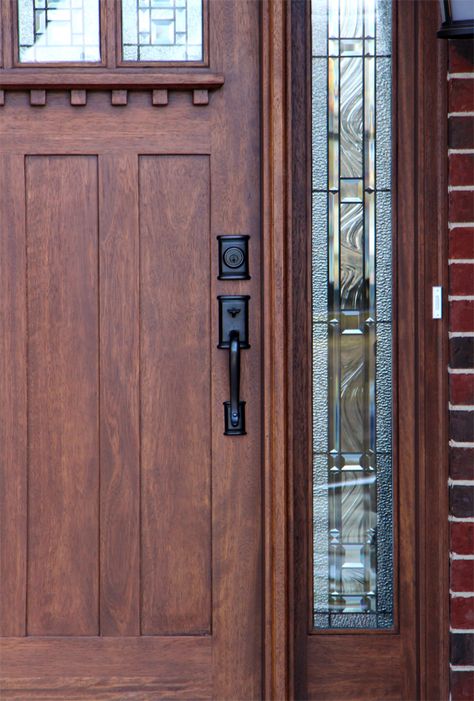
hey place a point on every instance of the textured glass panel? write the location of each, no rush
(351, 117)
(320, 256)
(319, 123)
(319, 26)
(383, 255)
(384, 388)
(384, 27)
(320, 396)
(384, 123)
(352, 307)
(162, 30)
(58, 30)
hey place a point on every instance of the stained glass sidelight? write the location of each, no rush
(162, 30)
(58, 30)
(352, 331)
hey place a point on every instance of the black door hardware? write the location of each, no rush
(233, 316)
(233, 258)
(233, 335)
(234, 411)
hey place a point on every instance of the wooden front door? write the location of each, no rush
(131, 525)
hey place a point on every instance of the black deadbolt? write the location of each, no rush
(233, 257)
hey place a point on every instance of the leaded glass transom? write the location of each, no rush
(352, 314)
(162, 30)
(58, 30)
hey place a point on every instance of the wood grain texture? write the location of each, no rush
(175, 394)
(277, 345)
(106, 668)
(13, 448)
(236, 476)
(100, 80)
(65, 129)
(119, 398)
(63, 453)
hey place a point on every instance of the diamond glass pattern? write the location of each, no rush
(352, 311)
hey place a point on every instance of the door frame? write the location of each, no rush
(420, 136)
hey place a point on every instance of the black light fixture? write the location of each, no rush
(457, 19)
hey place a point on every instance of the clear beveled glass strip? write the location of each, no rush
(369, 123)
(351, 117)
(352, 440)
(351, 18)
(320, 533)
(333, 123)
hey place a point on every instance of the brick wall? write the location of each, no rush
(461, 364)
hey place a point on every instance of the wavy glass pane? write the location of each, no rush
(352, 314)
(162, 30)
(58, 30)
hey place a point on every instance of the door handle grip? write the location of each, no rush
(234, 376)
(235, 409)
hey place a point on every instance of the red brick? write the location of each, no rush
(462, 538)
(461, 389)
(462, 685)
(461, 168)
(461, 95)
(461, 315)
(461, 426)
(461, 242)
(461, 132)
(462, 575)
(461, 56)
(461, 206)
(462, 612)
(461, 463)
(461, 352)
(461, 279)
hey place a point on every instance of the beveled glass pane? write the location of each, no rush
(58, 30)
(351, 117)
(351, 18)
(162, 30)
(352, 256)
(352, 309)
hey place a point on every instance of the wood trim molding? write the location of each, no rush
(21, 79)
(276, 206)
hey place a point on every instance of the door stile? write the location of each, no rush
(276, 193)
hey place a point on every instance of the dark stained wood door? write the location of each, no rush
(130, 525)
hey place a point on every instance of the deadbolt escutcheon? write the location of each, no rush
(233, 257)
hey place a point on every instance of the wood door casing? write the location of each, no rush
(131, 548)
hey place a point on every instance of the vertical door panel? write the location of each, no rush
(63, 456)
(13, 397)
(175, 394)
(119, 396)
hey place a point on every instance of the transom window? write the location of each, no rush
(70, 31)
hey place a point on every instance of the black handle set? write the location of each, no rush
(233, 325)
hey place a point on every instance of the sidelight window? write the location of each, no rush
(352, 314)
